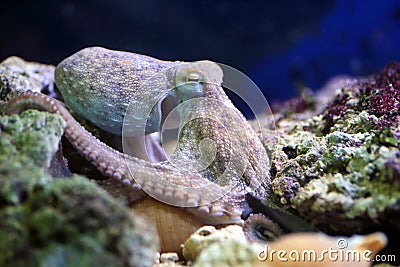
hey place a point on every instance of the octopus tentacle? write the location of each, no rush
(116, 165)
(259, 228)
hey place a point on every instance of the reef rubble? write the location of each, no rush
(335, 163)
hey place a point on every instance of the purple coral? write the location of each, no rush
(380, 96)
(389, 75)
(385, 105)
(336, 108)
(286, 187)
(383, 97)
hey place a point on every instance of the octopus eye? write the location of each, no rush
(193, 77)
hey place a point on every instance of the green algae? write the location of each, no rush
(229, 253)
(18, 76)
(32, 136)
(47, 221)
(71, 222)
(339, 168)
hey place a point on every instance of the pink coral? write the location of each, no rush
(380, 96)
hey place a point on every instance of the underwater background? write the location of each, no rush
(282, 45)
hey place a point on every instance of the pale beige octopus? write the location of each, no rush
(100, 85)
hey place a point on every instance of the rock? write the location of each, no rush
(30, 138)
(59, 222)
(67, 222)
(229, 253)
(17, 76)
(169, 257)
(207, 235)
(337, 167)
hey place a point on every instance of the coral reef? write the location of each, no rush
(338, 168)
(17, 76)
(68, 222)
(228, 253)
(59, 222)
(335, 163)
(207, 235)
(227, 246)
(32, 137)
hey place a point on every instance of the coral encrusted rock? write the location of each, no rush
(59, 222)
(338, 166)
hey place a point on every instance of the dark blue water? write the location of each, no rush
(282, 45)
(354, 38)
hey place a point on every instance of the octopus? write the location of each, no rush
(218, 158)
